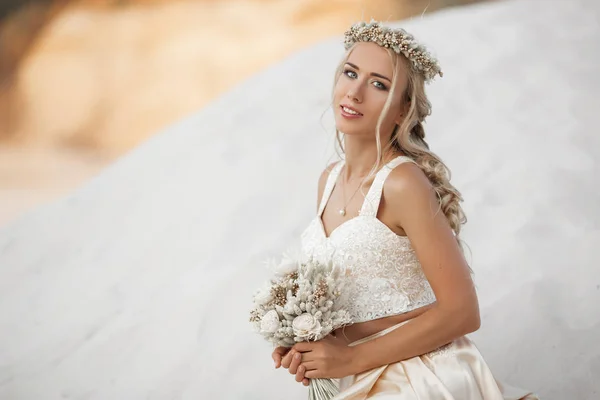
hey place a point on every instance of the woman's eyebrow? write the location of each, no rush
(372, 73)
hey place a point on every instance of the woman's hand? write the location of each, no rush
(278, 354)
(291, 361)
(327, 358)
(284, 356)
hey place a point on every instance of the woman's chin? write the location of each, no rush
(349, 131)
(348, 128)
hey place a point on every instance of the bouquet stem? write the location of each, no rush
(322, 389)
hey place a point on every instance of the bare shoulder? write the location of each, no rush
(323, 181)
(405, 181)
(408, 193)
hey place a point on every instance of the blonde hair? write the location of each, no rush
(409, 138)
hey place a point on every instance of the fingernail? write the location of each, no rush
(297, 356)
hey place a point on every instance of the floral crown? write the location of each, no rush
(398, 40)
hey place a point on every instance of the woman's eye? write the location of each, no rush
(379, 85)
(350, 73)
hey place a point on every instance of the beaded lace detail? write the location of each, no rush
(384, 276)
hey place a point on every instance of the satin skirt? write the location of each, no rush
(456, 371)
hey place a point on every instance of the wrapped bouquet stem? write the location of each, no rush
(322, 389)
(301, 303)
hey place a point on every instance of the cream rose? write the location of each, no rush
(269, 323)
(306, 326)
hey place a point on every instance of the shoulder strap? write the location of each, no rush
(373, 198)
(331, 179)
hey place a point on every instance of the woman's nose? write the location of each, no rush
(355, 93)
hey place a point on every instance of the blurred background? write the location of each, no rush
(82, 82)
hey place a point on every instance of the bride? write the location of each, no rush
(409, 288)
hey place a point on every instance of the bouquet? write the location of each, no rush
(300, 303)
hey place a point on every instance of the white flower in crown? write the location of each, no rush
(270, 322)
(306, 326)
(400, 41)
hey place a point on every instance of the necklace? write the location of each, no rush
(342, 211)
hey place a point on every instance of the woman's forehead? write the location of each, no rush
(371, 57)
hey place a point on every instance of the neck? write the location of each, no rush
(361, 157)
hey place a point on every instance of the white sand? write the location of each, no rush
(32, 176)
(137, 285)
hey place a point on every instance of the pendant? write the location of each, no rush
(342, 212)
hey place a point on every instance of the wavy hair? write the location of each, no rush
(409, 138)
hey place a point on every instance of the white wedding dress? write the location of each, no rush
(383, 277)
(138, 284)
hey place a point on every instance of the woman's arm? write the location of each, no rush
(412, 200)
(410, 197)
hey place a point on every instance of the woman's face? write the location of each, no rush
(363, 88)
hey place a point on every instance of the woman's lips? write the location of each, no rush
(349, 112)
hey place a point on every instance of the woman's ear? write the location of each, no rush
(400, 116)
(402, 113)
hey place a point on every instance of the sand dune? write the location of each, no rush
(102, 76)
(137, 285)
(107, 78)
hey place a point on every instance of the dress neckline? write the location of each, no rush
(319, 222)
(363, 212)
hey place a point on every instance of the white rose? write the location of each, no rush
(269, 323)
(286, 267)
(306, 326)
(264, 296)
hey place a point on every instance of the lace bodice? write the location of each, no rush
(383, 274)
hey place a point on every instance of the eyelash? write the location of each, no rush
(347, 71)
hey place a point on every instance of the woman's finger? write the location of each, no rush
(281, 350)
(287, 359)
(278, 354)
(309, 365)
(315, 373)
(296, 360)
(300, 374)
(305, 382)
